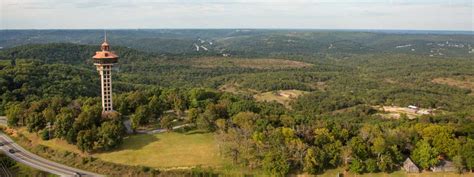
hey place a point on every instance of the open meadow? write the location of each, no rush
(256, 63)
(167, 150)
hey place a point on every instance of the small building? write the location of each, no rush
(410, 167)
(425, 111)
(284, 94)
(444, 166)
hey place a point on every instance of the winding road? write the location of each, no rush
(23, 156)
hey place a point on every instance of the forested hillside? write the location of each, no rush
(352, 82)
(249, 42)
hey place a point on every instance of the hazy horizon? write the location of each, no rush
(452, 15)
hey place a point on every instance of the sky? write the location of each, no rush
(455, 15)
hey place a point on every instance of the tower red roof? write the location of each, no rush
(105, 54)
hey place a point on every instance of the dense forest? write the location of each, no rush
(336, 123)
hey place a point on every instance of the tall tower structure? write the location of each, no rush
(104, 60)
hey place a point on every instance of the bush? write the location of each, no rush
(45, 135)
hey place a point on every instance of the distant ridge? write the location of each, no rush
(390, 31)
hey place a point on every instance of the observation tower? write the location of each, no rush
(104, 61)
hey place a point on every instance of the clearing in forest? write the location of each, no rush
(263, 63)
(395, 112)
(281, 96)
(461, 82)
(167, 151)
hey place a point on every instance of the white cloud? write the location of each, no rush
(352, 14)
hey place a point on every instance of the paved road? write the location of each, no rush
(23, 156)
(160, 130)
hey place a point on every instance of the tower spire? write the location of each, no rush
(105, 45)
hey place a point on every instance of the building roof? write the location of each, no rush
(409, 166)
(105, 53)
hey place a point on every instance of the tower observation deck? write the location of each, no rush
(104, 61)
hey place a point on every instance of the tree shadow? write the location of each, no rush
(195, 131)
(137, 141)
(190, 130)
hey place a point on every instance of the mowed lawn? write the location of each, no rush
(167, 150)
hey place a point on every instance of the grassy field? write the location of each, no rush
(461, 82)
(57, 144)
(263, 63)
(395, 112)
(281, 96)
(167, 151)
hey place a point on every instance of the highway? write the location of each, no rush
(23, 156)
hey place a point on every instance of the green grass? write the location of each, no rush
(281, 96)
(167, 151)
(56, 144)
(255, 63)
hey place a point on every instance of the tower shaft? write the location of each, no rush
(105, 72)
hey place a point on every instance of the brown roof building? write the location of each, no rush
(410, 167)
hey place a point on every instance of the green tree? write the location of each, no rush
(442, 138)
(156, 107)
(424, 155)
(14, 114)
(212, 112)
(89, 117)
(221, 125)
(371, 165)
(45, 134)
(246, 121)
(199, 97)
(176, 100)
(49, 114)
(204, 123)
(468, 153)
(110, 134)
(63, 123)
(35, 122)
(242, 106)
(357, 166)
(359, 148)
(86, 139)
(140, 117)
(276, 163)
(459, 163)
(311, 163)
(192, 116)
(379, 146)
(167, 122)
